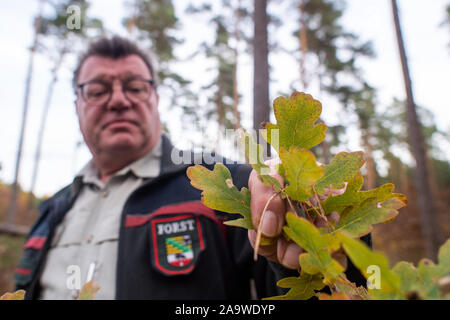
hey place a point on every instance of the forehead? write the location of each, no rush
(97, 66)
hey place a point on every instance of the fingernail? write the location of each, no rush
(270, 224)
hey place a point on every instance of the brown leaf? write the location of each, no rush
(333, 296)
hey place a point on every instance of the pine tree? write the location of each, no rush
(15, 186)
(261, 107)
(57, 41)
(429, 223)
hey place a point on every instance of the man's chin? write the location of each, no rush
(122, 144)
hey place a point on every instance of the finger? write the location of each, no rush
(320, 222)
(272, 163)
(270, 251)
(274, 216)
(340, 257)
(334, 216)
(288, 253)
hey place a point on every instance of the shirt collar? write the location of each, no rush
(147, 166)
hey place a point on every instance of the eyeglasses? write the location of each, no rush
(99, 92)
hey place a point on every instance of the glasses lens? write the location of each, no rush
(96, 93)
(137, 90)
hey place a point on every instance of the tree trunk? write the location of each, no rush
(220, 114)
(303, 41)
(12, 208)
(48, 99)
(261, 107)
(371, 177)
(237, 118)
(429, 222)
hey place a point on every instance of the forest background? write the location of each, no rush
(221, 64)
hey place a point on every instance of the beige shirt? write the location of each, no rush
(85, 244)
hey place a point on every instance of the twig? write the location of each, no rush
(306, 211)
(258, 234)
(318, 201)
(321, 209)
(292, 206)
(314, 208)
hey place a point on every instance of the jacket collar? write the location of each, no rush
(169, 164)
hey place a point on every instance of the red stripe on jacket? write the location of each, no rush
(184, 207)
(23, 271)
(35, 243)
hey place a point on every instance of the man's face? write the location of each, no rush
(121, 124)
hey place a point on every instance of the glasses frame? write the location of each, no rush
(110, 87)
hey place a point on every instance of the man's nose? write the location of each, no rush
(118, 99)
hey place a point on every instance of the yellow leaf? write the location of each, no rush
(88, 291)
(18, 295)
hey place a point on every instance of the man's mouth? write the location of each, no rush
(119, 123)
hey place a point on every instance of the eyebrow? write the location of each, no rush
(125, 76)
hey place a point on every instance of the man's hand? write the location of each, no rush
(280, 250)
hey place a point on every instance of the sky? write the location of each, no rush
(427, 45)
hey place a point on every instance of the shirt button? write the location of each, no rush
(89, 238)
(105, 193)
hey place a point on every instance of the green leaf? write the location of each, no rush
(428, 286)
(343, 166)
(443, 268)
(295, 126)
(428, 279)
(353, 197)
(409, 276)
(318, 246)
(219, 192)
(254, 156)
(357, 221)
(363, 258)
(301, 171)
(302, 287)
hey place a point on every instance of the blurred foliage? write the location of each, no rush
(57, 38)
(154, 23)
(10, 253)
(333, 54)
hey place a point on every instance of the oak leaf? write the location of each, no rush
(88, 291)
(302, 287)
(363, 257)
(219, 192)
(427, 280)
(357, 221)
(301, 171)
(254, 156)
(354, 197)
(343, 167)
(318, 247)
(296, 119)
(17, 295)
(334, 296)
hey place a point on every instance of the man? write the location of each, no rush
(130, 221)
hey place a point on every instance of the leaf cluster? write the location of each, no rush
(306, 188)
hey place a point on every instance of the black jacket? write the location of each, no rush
(171, 246)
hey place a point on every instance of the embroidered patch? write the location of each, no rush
(177, 242)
